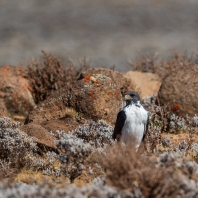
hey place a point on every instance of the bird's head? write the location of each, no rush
(131, 97)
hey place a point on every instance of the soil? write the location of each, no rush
(178, 138)
(66, 124)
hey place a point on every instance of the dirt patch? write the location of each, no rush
(66, 124)
(178, 138)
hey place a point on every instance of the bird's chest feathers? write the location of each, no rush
(136, 118)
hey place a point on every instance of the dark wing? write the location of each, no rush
(121, 117)
(146, 129)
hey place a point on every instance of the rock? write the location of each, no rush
(3, 109)
(149, 83)
(15, 90)
(180, 90)
(123, 83)
(43, 137)
(94, 97)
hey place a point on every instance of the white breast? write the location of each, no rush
(135, 124)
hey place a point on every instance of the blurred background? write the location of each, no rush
(109, 32)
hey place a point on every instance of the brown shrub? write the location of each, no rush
(127, 170)
(149, 63)
(51, 74)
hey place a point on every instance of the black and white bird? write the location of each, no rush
(132, 121)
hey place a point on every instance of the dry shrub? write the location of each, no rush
(164, 119)
(47, 188)
(16, 147)
(51, 74)
(128, 171)
(73, 156)
(149, 63)
(79, 145)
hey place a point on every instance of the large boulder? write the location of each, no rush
(123, 83)
(94, 97)
(180, 90)
(15, 90)
(148, 83)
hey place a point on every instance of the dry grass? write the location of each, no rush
(70, 112)
(34, 177)
(19, 118)
(29, 176)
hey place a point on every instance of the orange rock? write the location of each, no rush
(179, 89)
(123, 83)
(149, 83)
(87, 98)
(15, 90)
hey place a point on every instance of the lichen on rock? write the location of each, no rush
(94, 97)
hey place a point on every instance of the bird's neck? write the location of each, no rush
(129, 102)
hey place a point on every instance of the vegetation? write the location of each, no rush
(87, 162)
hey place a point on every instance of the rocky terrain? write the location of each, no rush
(57, 120)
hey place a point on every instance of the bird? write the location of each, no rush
(132, 121)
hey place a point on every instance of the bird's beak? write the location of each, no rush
(127, 97)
